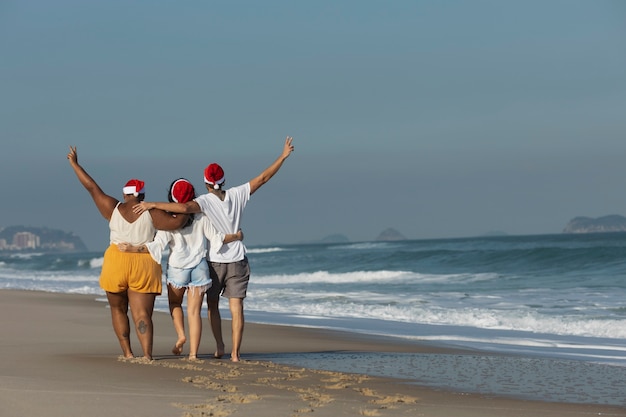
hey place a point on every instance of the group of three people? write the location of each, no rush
(207, 254)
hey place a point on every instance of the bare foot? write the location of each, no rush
(234, 358)
(219, 352)
(127, 354)
(178, 347)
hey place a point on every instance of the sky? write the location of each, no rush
(436, 118)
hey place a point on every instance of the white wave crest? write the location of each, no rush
(96, 262)
(265, 250)
(327, 277)
(370, 276)
(413, 311)
(26, 255)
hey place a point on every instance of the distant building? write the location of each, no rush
(25, 240)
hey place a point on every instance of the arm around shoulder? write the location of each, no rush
(189, 207)
(167, 221)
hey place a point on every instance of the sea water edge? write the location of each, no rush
(547, 366)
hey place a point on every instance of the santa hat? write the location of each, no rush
(182, 191)
(214, 175)
(134, 187)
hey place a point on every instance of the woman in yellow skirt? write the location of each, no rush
(129, 279)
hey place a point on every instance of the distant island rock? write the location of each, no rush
(26, 238)
(604, 224)
(390, 235)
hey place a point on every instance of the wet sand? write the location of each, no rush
(61, 358)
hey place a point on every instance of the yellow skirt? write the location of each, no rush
(123, 271)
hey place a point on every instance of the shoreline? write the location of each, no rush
(60, 357)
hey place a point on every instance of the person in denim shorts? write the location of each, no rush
(187, 268)
(229, 267)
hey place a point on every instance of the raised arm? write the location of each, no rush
(269, 172)
(105, 203)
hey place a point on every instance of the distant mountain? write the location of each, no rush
(20, 238)
(611, 223)
(390, 234)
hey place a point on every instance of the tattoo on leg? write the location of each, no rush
(143, 327)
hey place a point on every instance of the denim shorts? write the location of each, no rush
(197, 276)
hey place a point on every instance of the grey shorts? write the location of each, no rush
(229, 280)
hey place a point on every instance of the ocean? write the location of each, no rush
(558, 301)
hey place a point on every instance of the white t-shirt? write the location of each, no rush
(226, 217)
(189, 245)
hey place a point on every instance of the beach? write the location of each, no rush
(60, 358)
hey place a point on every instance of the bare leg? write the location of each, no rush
(215, 319)
(141, 308)
(195, 297)
(236, 310)
(175, 298)
(118, 302)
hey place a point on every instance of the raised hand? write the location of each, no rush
(143, 206)
(72, 156)
(288, 148)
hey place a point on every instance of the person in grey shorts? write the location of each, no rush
(229, 267)
(229, 279)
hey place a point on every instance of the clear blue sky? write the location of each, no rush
(439, 119)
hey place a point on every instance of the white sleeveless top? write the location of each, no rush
(136, 233)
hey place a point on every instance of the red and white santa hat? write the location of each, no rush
(134, 187)
(214, 175)
(182, 191)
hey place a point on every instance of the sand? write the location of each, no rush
(59, 357)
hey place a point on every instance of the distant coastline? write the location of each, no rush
(604, 224)
(29, 239)
(44, 239)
